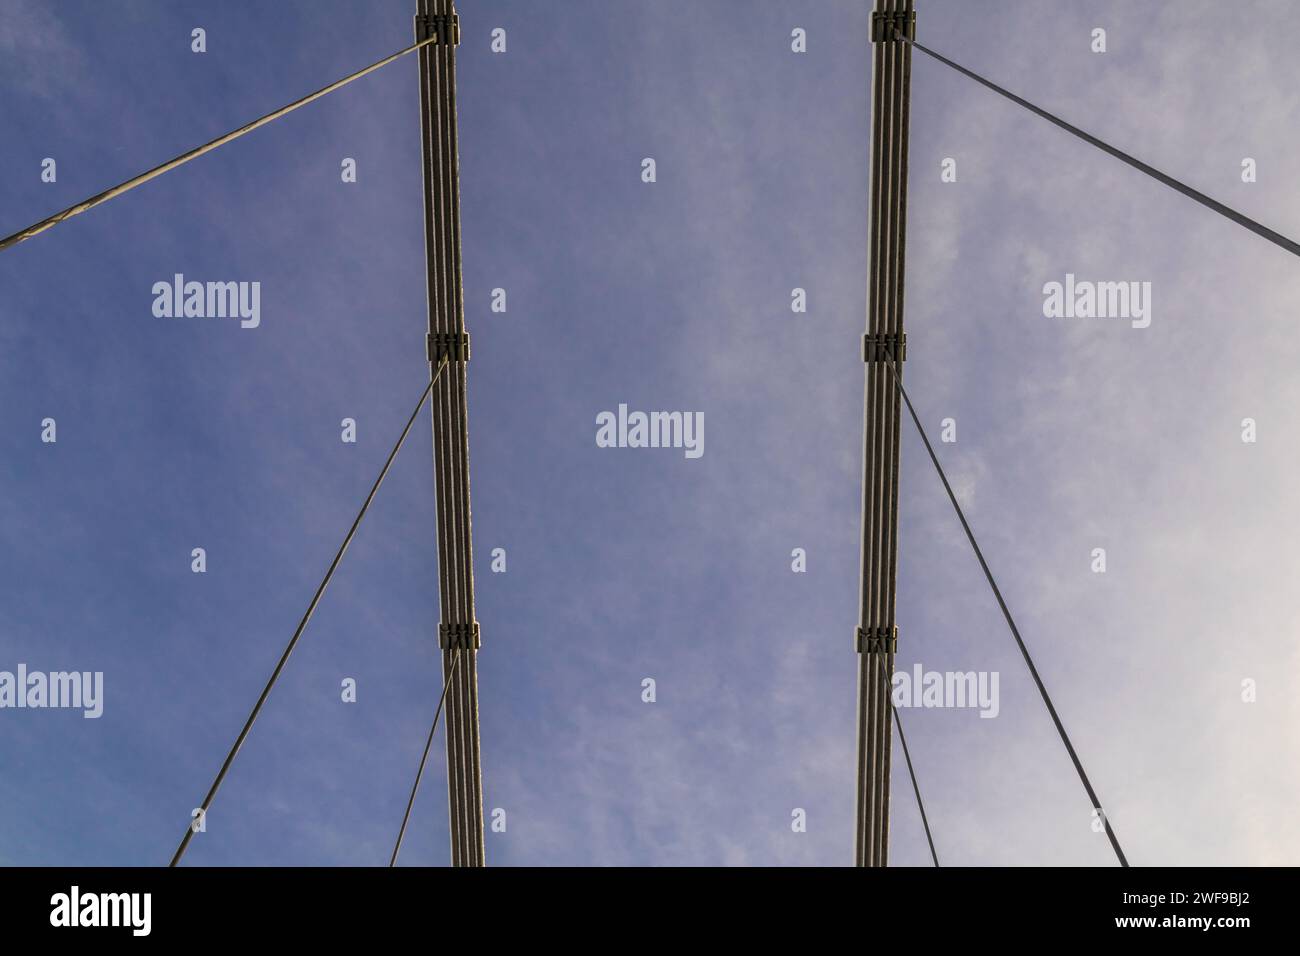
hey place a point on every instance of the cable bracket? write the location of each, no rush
(885, 26)
(446, 27)
(454, 345)
(879, 346)
(464, 637)
(876, 640)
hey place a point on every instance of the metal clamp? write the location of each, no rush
(454, 345)
(463, 637)
(876, 640)
(881, 346)
(446, 27)
(887, 26)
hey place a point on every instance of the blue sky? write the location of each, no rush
(625, 564)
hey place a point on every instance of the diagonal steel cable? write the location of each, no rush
(419, 773)
(1226, 211)
(1006, 613)
(78, 208)
(302, 624)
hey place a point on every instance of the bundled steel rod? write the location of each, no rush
(458, 630)
(877, 633)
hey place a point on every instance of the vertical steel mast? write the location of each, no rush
(458, 631)
(885, 341)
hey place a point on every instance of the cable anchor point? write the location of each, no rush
(444, 26)
(463, 637)
(453, 345)
(886, 26)
(876, 640)
(883, 346)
